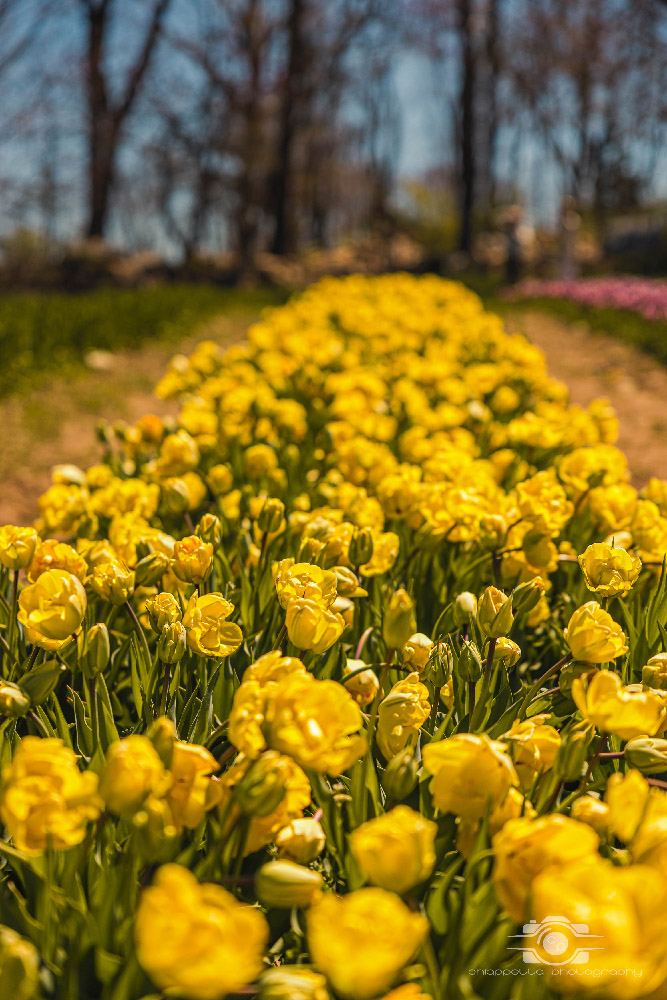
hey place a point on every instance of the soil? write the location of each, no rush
(56, 422)
(595, 365)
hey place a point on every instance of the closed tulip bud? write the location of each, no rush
(172, 643)
(193, 559)
(574, 752)
(469, 665)
(309, 550)
(654, 674)
(94, 650)
(399, 620)
(14, 703)
(19, 966)
(493, 531)
(593, 636)
(506, 652)
(271, 515)
(416, 652)
(292, 982)
(568, 674)
(494, 613)
(210, 529)
(438, 668)
(42, 680)
(154, 832)
(347, 584)
(526, 596)
(648, 754)
(284, 884)
(360, 550)
(364, 684)
(162, 734)
(301, 840)
(465, 608)
(592, 811)
(262, 788)
(401, 775)
(151, 569)
(175, 496)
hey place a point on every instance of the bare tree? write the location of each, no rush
(106, 115)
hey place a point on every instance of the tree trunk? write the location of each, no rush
(467, 152)
(284, 235)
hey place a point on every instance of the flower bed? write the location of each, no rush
(646, 296)
(333, 685)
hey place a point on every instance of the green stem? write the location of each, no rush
(12, 613)
(539, 683)
(486, 681)
(165, 689)
(94, 714)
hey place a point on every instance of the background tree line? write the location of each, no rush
(271, 125)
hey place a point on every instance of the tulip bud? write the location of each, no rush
(364, 685)
(465, 608)
(592, 811)
(469, 666)
(526, 596)
(360, 550)
(494, 613)
(574, 752)
(569, 673)
(438, 669)
(309, 550)
(647, 754)
(162, 734)
(301, 840)
(262, 788)
(292, 982)
(347, 583)
(399, 620)
(150, 569)
(154, 831)
(416, 651)
(163, 610)
(271, 515)
(175, 496)
(94, 650)
(654, 674)
(19, 966)
(220, 480)
(506, 652)
(42, 680)
(400, 775)
(14, 703)
(210, 529)
(284, 884)
(172, 643)
(493, 531)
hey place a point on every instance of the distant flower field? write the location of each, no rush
(646, 296)
(350, 682)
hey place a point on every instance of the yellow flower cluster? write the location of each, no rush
(348, 681)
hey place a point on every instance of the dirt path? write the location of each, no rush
(56, 422)
(593, 365)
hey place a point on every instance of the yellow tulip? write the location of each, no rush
(363, 940)
(623, 711)
(525, 847)
(593, 636)
(17, 546)
(45, 800)
(132, 771)
(52, 609)
(196, 940)
(401, 715)
(468, 772)
(395, 850)
(208, 633)
(608, 570)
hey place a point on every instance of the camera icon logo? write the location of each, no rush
(556, 941)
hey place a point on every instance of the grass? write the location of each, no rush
(42, 333)
(648, 335)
